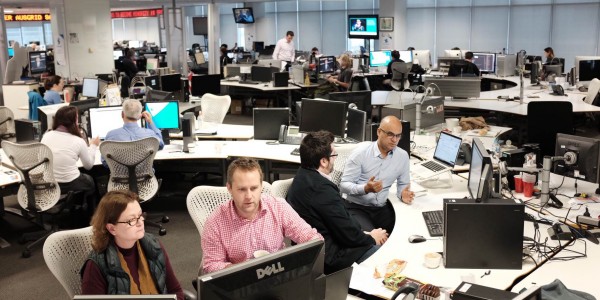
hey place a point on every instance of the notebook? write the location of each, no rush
(444, 158)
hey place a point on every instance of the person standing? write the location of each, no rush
(285, 50)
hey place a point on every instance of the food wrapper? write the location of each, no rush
(396, 281)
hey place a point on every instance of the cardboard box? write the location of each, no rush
(261, 103)
(236, 107)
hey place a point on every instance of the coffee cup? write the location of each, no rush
(432, 260)
(451, 123)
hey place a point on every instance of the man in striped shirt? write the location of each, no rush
(250, 221)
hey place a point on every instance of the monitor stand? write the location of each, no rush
(165, 136)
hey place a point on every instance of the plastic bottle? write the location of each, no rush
(306, 79)
(496, 147)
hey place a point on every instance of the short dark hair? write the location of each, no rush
(469, 55)
(314, 146)
(244, 164)
(410, 48)
(290, 33)
(51, 81)
(549, 50)
(396, 54)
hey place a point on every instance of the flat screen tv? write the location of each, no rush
(363, 27)
(243, 15)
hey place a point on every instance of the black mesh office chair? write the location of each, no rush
(545, 119)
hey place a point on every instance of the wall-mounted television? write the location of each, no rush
(363, 27)
(243, 15)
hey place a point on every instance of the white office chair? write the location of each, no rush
(593, 90)
(340, 162)
(280, 187)
(214, 108)
(65, 252)
(7, 123)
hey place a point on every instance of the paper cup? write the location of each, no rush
(451, 123)
(527, 189)
(432, 260)
(518, 184)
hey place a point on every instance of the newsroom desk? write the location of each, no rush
(263, 87)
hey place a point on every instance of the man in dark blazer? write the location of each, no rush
(317, 200)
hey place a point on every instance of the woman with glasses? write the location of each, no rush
(125, 259)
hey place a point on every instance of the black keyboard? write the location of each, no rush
(248, 82)
(295, 152)
(435, 222)
(433, 166)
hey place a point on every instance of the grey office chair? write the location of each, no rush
(400, 72)
(280, 188)
(39, 193)
(130, 165)
(7, 123)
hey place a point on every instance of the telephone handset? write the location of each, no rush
(558, 90)
(289, 135)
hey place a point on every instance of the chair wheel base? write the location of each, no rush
(162, 231)
(26, 254)
(165, 219)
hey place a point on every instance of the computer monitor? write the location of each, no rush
(202, 84)
(267, 122)
(170, 82)
(134, 44)
(456, 87)
(423, 58)
(46, 115)
(157, 95)
(461, 68)
(90, 87)
(262, 74)
(165, 114)
(357, 121)
(363, 27)
(380, 58)
(152, 82)
(576, 66)
(486, 62)
(453, 53)
(105, 119)
(37, 62)
(536, 69)
(362, 100)
(107, 77)
(326, 64)
(319, 114)
(287, 274)
(553, 69)
(151, 63)
(117, 54)
(406, 55)
(479, 183)
(84, 106)
(258, 46)
(589, 69)
(581, 157)
(11, 52)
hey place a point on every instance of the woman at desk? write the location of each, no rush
(68, 146)
(124, 259)
(340, 82)
(550, 58)
(53, 85)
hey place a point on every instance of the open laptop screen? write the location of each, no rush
(447, 148)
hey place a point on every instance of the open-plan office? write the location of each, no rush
(508, 39)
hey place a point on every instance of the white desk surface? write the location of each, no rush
(489, 100)
(266, 87)
(224, 132)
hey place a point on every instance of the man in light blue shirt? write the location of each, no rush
(131, 131)
(370, 171)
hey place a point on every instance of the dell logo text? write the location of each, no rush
(269, 270)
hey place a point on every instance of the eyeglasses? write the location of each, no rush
(333, 155)
(391, 134)
(134, 221)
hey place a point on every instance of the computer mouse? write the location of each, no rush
(416, 238)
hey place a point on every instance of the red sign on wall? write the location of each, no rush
(136, 13)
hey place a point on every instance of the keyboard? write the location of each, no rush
(295, 152)
(435, 222)
(433, 166)
(248, 82)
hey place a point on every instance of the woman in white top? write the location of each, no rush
(68, 146)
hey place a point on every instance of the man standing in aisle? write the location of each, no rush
(370, 171)
(284, 49)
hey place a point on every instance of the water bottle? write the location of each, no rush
(496, 148)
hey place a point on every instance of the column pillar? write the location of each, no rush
(397, 10)
(82, 37)
(214, 38)
(3, 51)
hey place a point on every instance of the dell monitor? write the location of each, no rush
(363, 27)
(202, 84)
(243, 15)
(319, 114)
(156, 95)
(268, 121)
(90, 87)
(422, 58)
(287, 274)
(37, 62)
(380, 58)
(170, 82)
(362, 100)
(165, 114)
(406, 55)
(152, 82)
(486, 62)
(589, 69)
(105, 119)
(326, 64)
(581, 157)
(262, 74)
(479, 183)
(357, 121)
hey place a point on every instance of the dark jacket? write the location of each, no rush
(117, 279)
(317, 200)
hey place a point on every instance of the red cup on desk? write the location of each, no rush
(527, 189)
(518, 184)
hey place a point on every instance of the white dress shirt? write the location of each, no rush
(284, 51)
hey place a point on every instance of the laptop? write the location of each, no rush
(444, 158)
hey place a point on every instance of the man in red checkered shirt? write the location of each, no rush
(250, 221)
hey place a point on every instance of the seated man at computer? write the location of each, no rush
(465, 67)
(395, 58)
(250, 221)
(318, 201)
(551, 59)
(131, 131)
(369, 173)
(337, 83)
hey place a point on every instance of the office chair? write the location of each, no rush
(280, 188)
(65, 252)
(7, 123)
(130, 165)
(400, 72)
(39, 194)
(340, 162)
(214, 108)
(545, 119)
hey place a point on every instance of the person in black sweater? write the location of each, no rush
(395, 58)
(129, 66)
(317, 200)
(465, 67)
